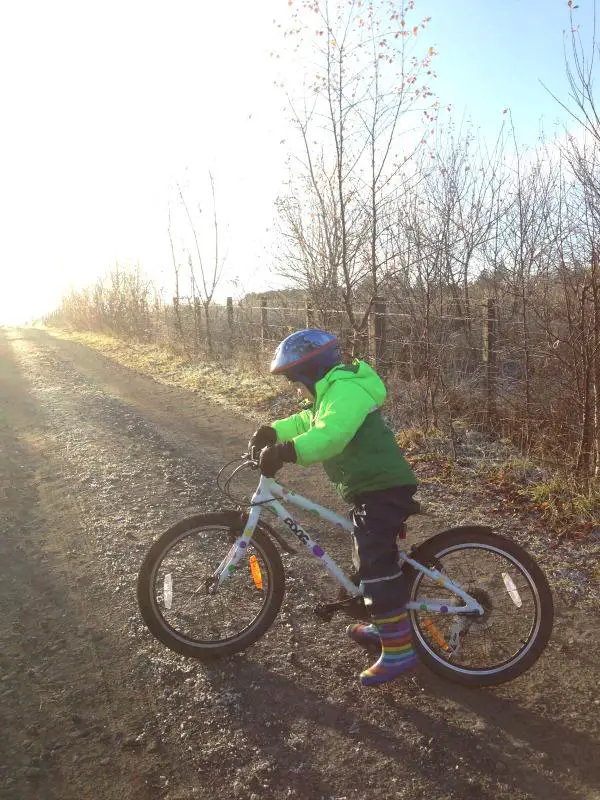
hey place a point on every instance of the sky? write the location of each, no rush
(106, 108)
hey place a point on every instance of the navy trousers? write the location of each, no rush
(378, 519)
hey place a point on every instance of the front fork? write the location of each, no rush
(238, 549)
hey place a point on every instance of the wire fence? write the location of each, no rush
(445, 365)
(534, 380)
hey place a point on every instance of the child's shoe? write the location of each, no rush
(363, 634)
(397, 653)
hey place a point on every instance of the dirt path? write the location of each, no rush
(96, 460)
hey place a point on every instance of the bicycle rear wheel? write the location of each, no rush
(518, 614)
(172, 589)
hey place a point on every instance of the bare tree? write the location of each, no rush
(582, 154)
(177, 295)
(209, 267)
(365, 82)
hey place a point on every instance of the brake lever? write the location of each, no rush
(252, 458)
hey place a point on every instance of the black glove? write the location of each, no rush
(273, 458)
(263, 437)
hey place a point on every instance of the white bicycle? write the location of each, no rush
(480, 607)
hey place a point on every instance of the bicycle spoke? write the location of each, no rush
(505, 626)
(194, 612)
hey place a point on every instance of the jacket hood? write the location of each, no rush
(361, 373)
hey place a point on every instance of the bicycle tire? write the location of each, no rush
(446, 542)
(175, 640)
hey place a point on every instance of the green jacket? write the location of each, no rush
(345, 430)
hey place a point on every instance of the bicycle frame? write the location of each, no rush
(266, 496)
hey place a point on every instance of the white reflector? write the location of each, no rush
(168, 590)
(512, 589)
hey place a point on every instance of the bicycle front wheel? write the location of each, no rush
(501, 644)
(173, 583)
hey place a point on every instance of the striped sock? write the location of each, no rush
(397, 654)
(363, 634)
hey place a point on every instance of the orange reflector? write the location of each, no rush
(255, 571)
(435, 633)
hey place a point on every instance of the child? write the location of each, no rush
(344, 429)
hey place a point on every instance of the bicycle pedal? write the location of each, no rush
(353, 607)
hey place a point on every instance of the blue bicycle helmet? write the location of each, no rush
(306, 356)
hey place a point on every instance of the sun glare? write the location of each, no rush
(96, 143)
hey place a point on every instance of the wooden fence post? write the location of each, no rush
(490, 328)
(377, 332)
(310, 315)
(264, 327)
(230, 324)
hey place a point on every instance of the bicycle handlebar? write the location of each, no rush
(252, 457)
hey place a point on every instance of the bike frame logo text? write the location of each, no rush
(297, 530)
